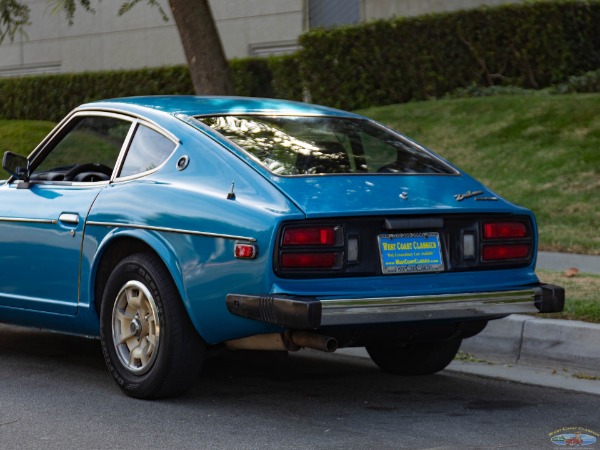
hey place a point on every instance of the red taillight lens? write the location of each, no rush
(499, 252)
(310, 236)
(504, 230)
(311, 248)
(309, 260)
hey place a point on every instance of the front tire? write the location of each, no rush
(149, 344)
(423, 358)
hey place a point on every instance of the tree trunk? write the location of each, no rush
(202, 46)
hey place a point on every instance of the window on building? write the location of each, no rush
(331, 13)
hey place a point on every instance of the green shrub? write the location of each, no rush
(588, 82)
(251, 77)
(531, 45)
(50, 97)
(286, 77)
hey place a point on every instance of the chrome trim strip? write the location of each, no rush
(428, 307)
(122, 112)
(25, 220)
(169, 230)
(503, 296)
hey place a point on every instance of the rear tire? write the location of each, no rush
(149, 343)
(423, 358)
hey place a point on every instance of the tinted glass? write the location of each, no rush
(324, 145)
(148, 150)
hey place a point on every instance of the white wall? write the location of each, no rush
(140, 38)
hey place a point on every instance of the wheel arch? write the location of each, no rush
(122, 243)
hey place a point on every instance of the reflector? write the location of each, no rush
(245, 251)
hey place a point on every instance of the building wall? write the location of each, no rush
(140, 38)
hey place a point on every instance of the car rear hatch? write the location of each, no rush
(346, 195)
(384, 225)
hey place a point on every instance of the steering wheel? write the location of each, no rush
(89, 167)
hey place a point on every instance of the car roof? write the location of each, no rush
(213, 105)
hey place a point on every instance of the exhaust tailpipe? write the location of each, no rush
(315, 341)
(291, 341)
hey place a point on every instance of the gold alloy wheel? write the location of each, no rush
(136, 327)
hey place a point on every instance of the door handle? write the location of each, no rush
(69, 218)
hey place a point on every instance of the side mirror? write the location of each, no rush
(16, 165)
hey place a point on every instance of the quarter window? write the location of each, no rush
(148, 150)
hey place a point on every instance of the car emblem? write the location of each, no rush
(404, 196)
(468, 194)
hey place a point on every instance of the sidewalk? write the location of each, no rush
(563, 261)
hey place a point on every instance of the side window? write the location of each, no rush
(148, 150)
(87, 152)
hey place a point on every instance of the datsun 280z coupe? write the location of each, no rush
(169, 225)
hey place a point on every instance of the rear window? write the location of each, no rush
(289, 145)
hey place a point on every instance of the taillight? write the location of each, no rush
(310, 236)
(504, 230)
(309, 260)
(311, 248)
(506, 241)
(498, 252)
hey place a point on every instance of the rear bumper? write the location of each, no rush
(301, 313)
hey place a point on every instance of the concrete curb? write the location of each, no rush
(527, 341)
(533, 344)
(519, 339)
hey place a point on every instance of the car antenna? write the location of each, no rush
(231, 195)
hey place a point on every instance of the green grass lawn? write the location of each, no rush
(22, 136)
(542, 152)
(582, 299)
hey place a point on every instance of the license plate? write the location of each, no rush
(410, 253)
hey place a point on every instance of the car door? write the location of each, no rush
(42, 221)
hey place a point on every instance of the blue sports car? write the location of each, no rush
(169, 225)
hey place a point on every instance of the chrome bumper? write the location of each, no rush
(299, 313)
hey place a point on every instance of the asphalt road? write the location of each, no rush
(55, 393)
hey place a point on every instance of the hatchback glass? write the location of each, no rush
(289, 145)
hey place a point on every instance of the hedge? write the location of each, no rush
(50, 97)
(531, 45)
(527, 45)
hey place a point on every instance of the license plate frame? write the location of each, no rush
(402, 253)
